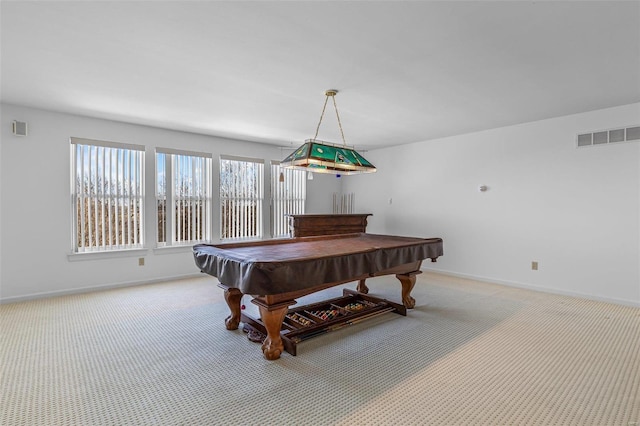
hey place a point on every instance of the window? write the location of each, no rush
(184, 204)
(241, 195)
(287, 197)
(107, 191)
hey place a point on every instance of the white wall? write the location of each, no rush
(575, 211)
(2, 122)
(35, 223)
(320, 192)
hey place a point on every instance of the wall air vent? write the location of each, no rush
(603, 137)
(19, 128)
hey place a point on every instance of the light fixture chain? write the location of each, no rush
(321, 115)
(339, 122)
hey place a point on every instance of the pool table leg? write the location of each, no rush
(408, 281)
(272, 318)
(233, 296)
(362, 287)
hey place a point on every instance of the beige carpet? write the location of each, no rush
(470, 353)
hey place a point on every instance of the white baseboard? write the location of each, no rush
(47, 294)
(624, 302)
(43, 295)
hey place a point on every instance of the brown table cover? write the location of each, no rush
(278, 266)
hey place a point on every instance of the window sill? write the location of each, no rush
(115, 254)
(173, 249)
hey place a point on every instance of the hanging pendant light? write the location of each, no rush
(324, 157)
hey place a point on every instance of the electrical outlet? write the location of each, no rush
(534, 266)
(141, 261)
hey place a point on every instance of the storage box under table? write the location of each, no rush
(304, 322)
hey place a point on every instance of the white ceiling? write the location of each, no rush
(406, 71)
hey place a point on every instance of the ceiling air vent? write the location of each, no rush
(603, 137)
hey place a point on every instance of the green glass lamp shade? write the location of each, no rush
(324, 157)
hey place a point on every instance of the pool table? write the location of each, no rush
(276, 272)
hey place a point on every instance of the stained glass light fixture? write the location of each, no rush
(324, 157)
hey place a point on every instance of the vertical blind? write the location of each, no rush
(287, 197)
(241, 196)
(183, 196)
(107, 189)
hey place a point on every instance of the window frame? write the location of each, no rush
(240, 189)
(97, 221)
(173, 237)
